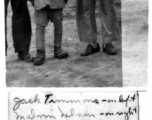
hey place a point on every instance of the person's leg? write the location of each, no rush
(41, 20)
(56, 17)
(40, 39)
(86, 23)
(6, 5)
(109, 25)
(40, 45)
(21, 26)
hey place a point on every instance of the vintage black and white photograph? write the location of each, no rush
(76, 43)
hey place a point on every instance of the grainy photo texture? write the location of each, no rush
(76, 43)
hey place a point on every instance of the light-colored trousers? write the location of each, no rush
(86, 21)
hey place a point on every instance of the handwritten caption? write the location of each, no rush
(74, 106)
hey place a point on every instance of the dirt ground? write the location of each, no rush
(98, 70)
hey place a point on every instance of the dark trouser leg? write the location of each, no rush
(109, 22)
(6, 5)
(86, 23)
(21, 25)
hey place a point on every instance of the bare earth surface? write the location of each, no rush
(98, 70)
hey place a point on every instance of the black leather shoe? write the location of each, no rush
(25, 56)
(90, 50)
(109, 49)
(40, 58)
(59, 53)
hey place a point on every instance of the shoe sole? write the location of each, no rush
(61, 58)
(89, 53)
(38, 64)
(114, 53)
(22, 59)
